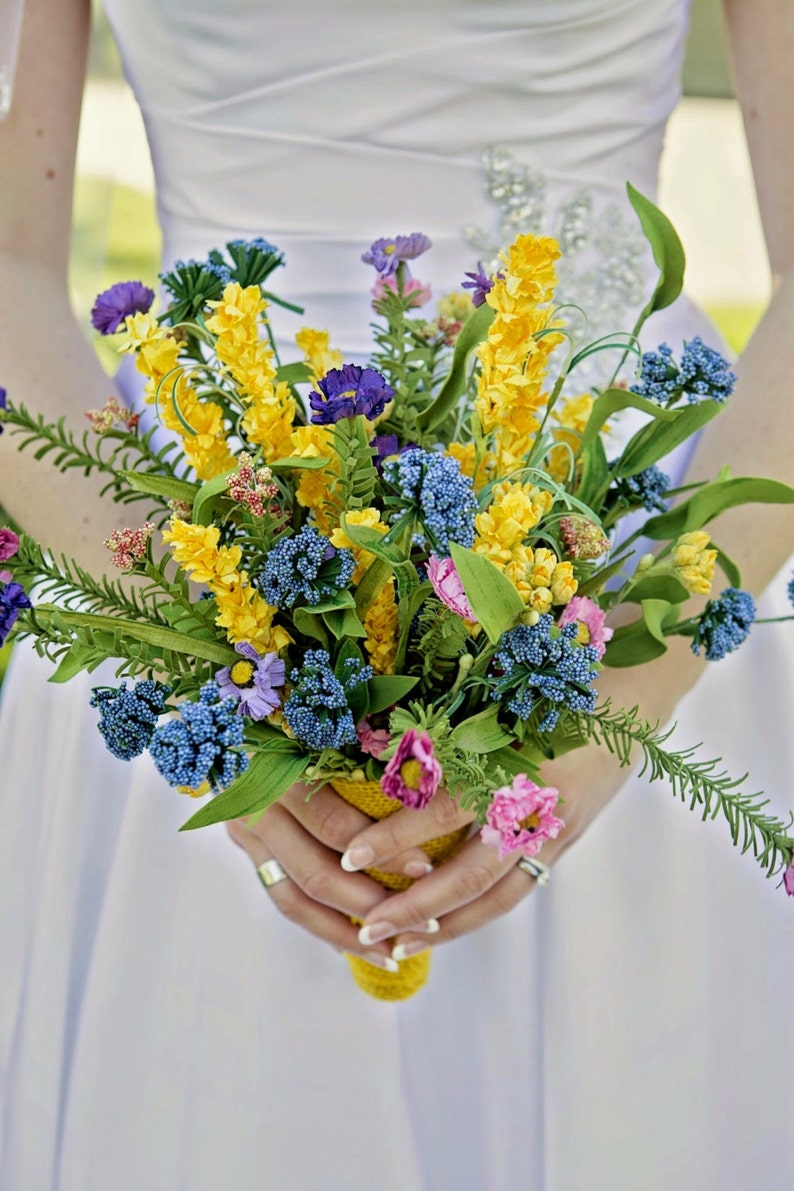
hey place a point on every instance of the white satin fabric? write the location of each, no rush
(629, 1027)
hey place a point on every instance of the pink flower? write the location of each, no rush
(445, 579)
(521, 817)
(420, 294)
(413, 775)
(788, 880)
(5, 576)
(128, 546)
(591, 620)
(372, 740)
(9, 544)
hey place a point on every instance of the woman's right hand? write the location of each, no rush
(307, 836)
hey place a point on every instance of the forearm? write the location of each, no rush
(49, 367)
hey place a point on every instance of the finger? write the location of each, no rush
(334, 823)
(314, 868)
(320, 921)
(380, 842)
(500, 899)
(464, 879)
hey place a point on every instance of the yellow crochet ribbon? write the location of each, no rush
(393, 986)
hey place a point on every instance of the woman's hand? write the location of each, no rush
(307, 837)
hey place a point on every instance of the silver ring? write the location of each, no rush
(270, 873)
(535, 868)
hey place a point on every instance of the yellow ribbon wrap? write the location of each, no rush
(393, 986)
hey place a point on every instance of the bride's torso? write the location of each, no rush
(323, 127)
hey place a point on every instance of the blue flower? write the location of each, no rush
(203, 745)
(347, 391)
(544, 668)
(480, 284)
(443, 498)
(127, 719)
(724, 624)
(385, 445)
(790, 591)
(387, 253)
(703, 373)
(12, 600)
(304, 568)
(3, 396)
(114, 305)
(646, 488)
(318, 712)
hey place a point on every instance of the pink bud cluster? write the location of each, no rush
(182, 509)
(252, 487)
(129, 546)
(112, 413)
(583, 539)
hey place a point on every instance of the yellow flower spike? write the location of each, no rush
(563, 584)
(693, 562)
(381, 624)
(247, 616)
(195, 548)
(320, 357)
(368, 519)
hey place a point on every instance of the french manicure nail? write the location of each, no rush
(418, 868)
(381, 961)
(376, 932)
(431, 927)
(356, 858)
(403, 950)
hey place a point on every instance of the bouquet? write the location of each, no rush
(392, 576)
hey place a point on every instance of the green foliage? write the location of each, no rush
(670, 428)
(698, 782)
(472, 333)
(668, 251)
(273, 769)
(354, 487)
(494, 600)
(711, 500)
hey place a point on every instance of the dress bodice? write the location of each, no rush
(323, 127)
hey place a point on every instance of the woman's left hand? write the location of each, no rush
(475, 886)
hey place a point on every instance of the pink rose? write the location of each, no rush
(446, 583)
(420, 294)
(372, 740)
(522, 817)
(413, 775)
(9, 544)
(593, 630)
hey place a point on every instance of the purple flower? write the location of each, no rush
(3, 395)
(386, 254)
(386, 445)
(252, 681)
(347, 391)
(480, 283)
(788, 880)
(12, 599)
(113, 305)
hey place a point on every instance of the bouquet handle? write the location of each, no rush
(393, 986)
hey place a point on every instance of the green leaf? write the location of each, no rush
(307, 463)
(594, 476)
(387, 689)
(494, 601)
(208, 494)
(655, 441)
(77, 658)
(376, 543)
(644, 639)
(371, 585)
(668, 251)
(160, 638)
(342, 599)
(728, 567)
(657, 587)
(293, 374)
(310, 626)
(612, 401)
(482, 733)
(711, 500)
(271, 772)
(526, 759)
(406, 611)
(166, 486)
(344, 622)
(474, 330)
(654, 613)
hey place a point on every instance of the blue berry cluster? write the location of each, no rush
(535, 667)
(127, 719)
(254, 260)
(646, 488)
(702, 373)
(790, 591)
(203, 745)
(441, 495)
(724, 624)
(318, 712)
(306, 569)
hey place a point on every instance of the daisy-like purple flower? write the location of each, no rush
(252, 681)
(347, 391)
(12, 601)
(113, 305)
(480, 284)
(386, 254)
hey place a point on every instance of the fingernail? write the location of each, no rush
(418, 868)
(381, 961)
(403, 950)
(376, 932)
(356, 858)
(431, 927)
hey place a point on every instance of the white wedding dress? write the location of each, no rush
(629, 1027)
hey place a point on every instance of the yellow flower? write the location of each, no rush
(195, 548)
(381, 623)
(315, 489)
(369, 519)
(563, 584)
(693, 562)
(268, 421)
(456, 306)
(319, 355)
(572, 414)
(514, 510)
(246, 616)
(539, 578)
(466, 455)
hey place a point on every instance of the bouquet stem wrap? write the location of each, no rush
(393, 986)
